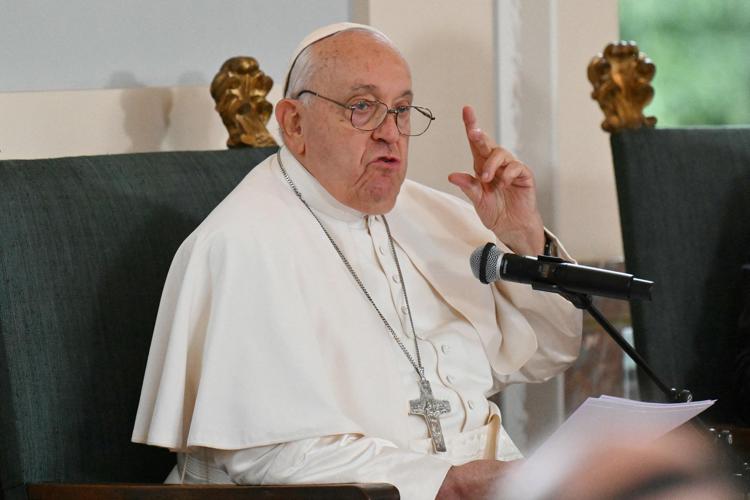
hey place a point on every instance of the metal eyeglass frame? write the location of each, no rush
(394, 111)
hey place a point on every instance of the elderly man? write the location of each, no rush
(322, 323)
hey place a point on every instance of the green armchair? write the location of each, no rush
(85, 245)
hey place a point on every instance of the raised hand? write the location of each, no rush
(502, 190)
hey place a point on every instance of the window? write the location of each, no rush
(702, 54)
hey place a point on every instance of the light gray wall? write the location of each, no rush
(88, 44)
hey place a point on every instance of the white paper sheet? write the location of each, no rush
(596, 422)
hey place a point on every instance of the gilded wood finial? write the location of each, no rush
(621, 77)
(240, 89)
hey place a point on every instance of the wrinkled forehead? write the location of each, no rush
(357, 58)
(355, 47)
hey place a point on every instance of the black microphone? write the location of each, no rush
(554, 274)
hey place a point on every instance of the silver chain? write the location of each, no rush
(418, 364)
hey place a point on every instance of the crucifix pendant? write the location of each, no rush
(430, 409)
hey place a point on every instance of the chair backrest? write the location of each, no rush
(85, 245)
(684, 197)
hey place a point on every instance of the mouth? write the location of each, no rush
(386, 161)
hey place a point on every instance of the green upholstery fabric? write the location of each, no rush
(85, 245)
(684, 197)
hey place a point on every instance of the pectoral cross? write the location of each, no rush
(430, 409)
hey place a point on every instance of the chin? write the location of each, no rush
(378, 197)
(379, 205)
(381, 209)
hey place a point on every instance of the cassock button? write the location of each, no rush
(450, 379)
(381, 250)
(470, 404)
(395, 278)
(445, 348)
(404, 309)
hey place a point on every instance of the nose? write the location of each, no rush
(388, 130)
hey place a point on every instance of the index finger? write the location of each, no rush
(470, 118)
(478, 140)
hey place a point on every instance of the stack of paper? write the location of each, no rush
(597, 422)
(606, 418)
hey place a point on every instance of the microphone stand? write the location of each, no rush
(584, 302)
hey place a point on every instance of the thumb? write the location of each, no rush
(469, 184)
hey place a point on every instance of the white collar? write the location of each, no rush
(319, 199)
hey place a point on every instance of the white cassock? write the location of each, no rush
(268, 365)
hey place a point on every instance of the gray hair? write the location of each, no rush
(301, 74)
(306, 65)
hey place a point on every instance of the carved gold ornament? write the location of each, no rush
(621, 77)
(240, 89)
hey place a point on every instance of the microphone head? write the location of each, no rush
(483, 263)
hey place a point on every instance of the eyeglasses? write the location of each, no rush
(368, 115)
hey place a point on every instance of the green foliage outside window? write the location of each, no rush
(701, 49)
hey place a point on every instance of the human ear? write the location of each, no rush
(290, 124)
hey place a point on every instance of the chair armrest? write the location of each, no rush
(123, 491)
